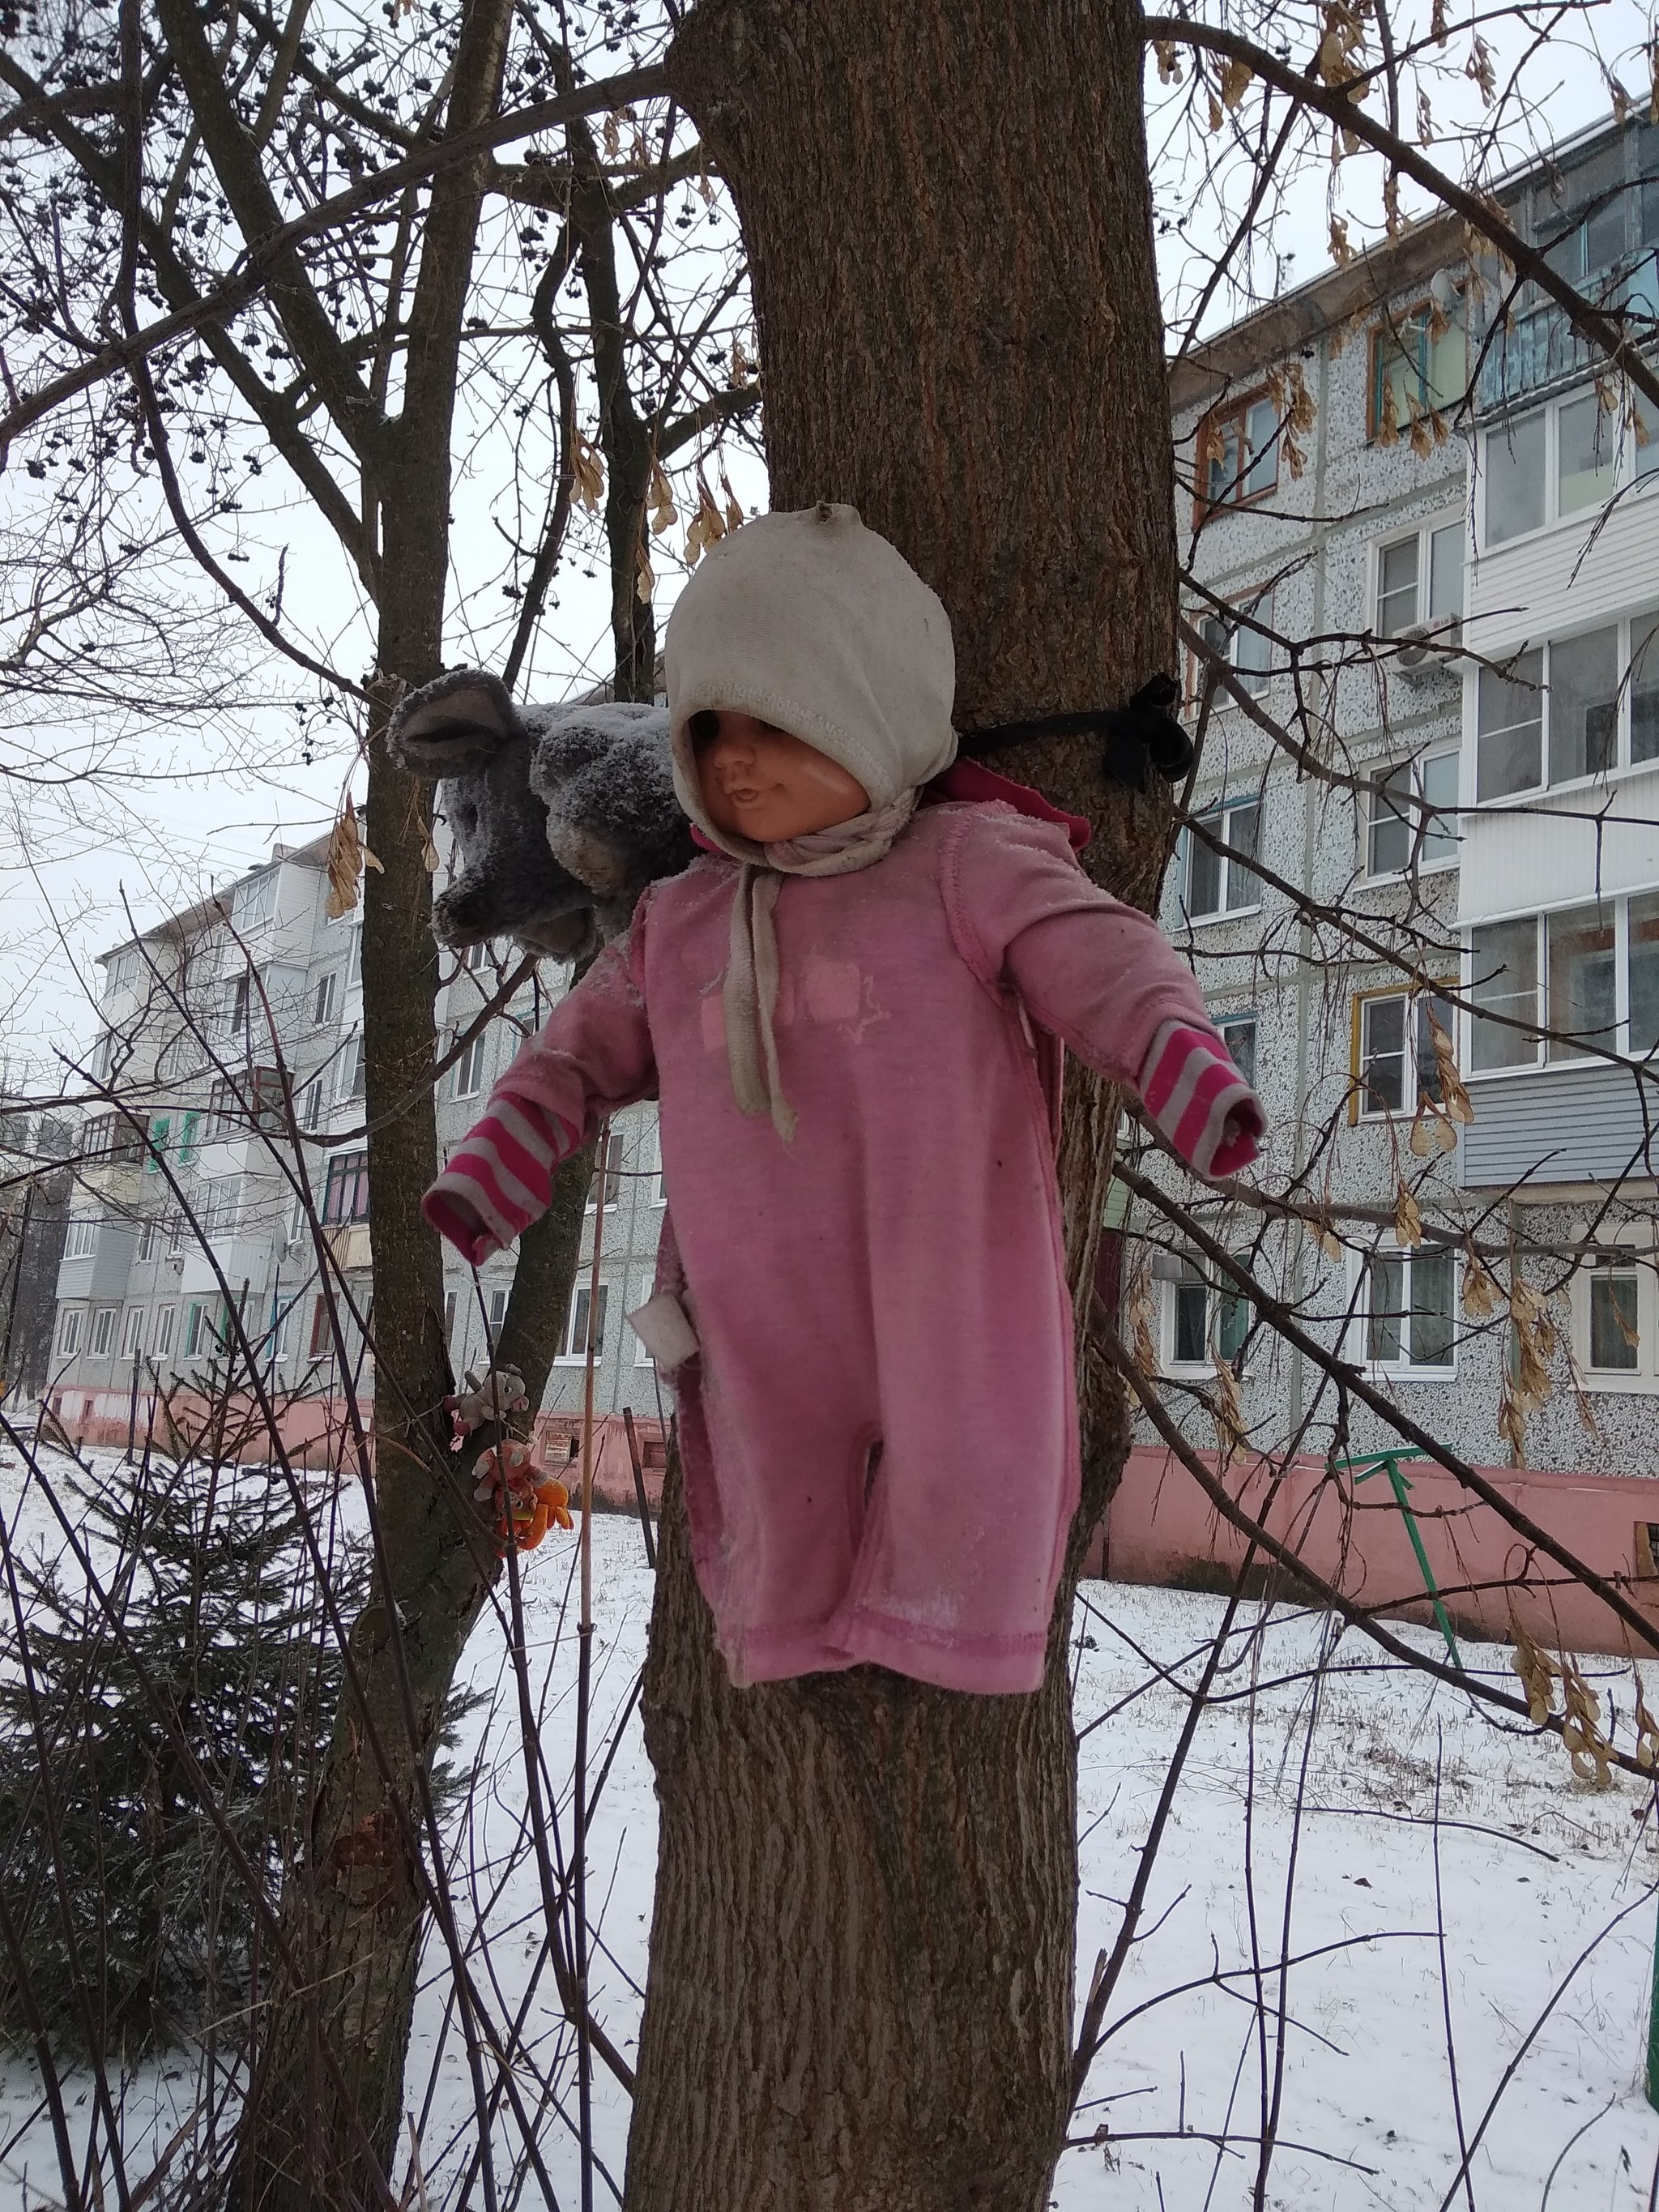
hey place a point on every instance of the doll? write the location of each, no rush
(841, 1006)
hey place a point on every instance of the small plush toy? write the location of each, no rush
(561, 815)
(500, 1393)
(526, 1504)
(849, 1008)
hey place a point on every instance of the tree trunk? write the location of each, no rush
(861, 1964)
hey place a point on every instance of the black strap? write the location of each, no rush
(1142, 735)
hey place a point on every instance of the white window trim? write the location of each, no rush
(1626, 484)
(1624, 768)
(1259, 606)
(77, 1243)
(1609, 1051)
(1643, 1377)
(565, 1358)
(133, 1332)
(471, 1062)
(162, 1335)
(1168, 1286)
(1210, 918)
(1414, 870)
(70, 1333)
(329, 981)
(100, 1315)
(1451, 630)
(1358, 1333)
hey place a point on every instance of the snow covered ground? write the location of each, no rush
(1515, 1934)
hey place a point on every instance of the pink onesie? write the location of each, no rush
(878, 1427)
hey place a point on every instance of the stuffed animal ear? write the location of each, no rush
(456, 724)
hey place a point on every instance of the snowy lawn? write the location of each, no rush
(1304, 1826)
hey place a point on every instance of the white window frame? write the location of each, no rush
(573, 1350)
(350, 1083)
(1224, 862)
(253, 901)
(1169, 1268)
(1639, 628)
(152, 1236)
(71, 1320)
(1411, 1073)
(1617, 1044)
(1450, 627)
(1629, 1250)
(1417, 823)
(468, 1081)
(607, 1174)
(326, 998)
(100, 1338)
(133, 1332)
(1631, 476)
(1259, 606)
(81, 1240)
(314, 1103)
(474, 958)
(1245, 1019)
(167, 1319)
(1405, 1369)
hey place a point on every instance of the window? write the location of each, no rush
(1503, 983)
(1411, 813)
(1221, 882)
(122, 972)
(1591, 972)
(575, 1344)
(351, 1081)
(326, 998)
(151, 1237)
(189, 1129)
(254, 901)
(1514, 476)
(1395, 1062)
(321, 1340)
(221, 1206)
(607, 1172)
(1246, 651)
(69, 1332)
(1408, 1311)
(118, 1138)
(81, 1242)
(1419, 364)
(1510, 728)
(1238, 453)
(161, 1343)
(1205, 1317)
(354, 958)
(103, 1331)
(1561, 461)
(1578, 706)
(1238, 1033)
(345, 1195)
(199, 1330)
(255, 1100)
(132, 1335)
(498, 1310)
(1615, 1339)
(236, 1003)
(476, 957)
(1419, 582)
(311, 1103)
(470, 1067)
(161, 1128)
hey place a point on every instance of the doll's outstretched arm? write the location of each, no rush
(592, 1056)
(1104, 979)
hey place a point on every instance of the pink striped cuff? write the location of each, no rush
(1199, 1101)
(499, 1179)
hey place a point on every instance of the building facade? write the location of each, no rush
(1423, 535)
(190, 1193)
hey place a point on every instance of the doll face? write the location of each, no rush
(759, 782)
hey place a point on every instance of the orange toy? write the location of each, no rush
(525, 1506)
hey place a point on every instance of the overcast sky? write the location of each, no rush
(175, 810)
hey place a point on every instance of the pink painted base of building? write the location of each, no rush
(1161, 1527)
(318, 1433)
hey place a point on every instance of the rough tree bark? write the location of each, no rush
(862, 1965)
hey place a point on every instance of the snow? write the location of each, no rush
(1304, 1821)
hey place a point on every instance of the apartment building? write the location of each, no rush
(1424, 531)
(187, 1188)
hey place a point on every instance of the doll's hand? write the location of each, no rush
(1195, 1095)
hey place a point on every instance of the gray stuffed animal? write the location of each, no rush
(561, 815)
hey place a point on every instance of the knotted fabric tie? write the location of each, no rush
(750, 994)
